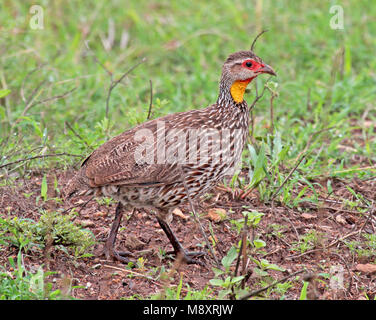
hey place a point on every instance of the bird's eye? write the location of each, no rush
(248, 64)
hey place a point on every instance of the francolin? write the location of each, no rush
(157, 165)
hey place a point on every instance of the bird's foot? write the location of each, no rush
(189, 257)
(112, 254)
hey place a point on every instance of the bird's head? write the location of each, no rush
(239, 70)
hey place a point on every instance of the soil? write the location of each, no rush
(281, 227)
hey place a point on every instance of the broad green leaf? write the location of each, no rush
(258, 243)
(217, 272)
(229, 258)
(44, 188)
(303, 293)
(265, 264)
(4, 93)
(260, 272)
(216, 282)
(237, 279)
(254, 217)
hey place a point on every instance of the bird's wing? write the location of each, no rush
(124, 170)
(131, 158)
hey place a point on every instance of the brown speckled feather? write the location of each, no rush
(114, 162)
(115, 170)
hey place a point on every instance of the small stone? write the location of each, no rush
(217, 214)
(308, 216)
(341, 219)
(366, 268)
(86, 223)
(179, 213)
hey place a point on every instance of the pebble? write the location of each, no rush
(86, 223)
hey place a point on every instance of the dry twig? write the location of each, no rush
(30, 101)
(113, 83)
(300, 158)
(198, 219)
(77, 135)
(151, 100)
(39, 157)
(371, 213)
(258, 36)
(288, 176)
(243, 246)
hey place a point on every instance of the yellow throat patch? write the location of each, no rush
(238, 88)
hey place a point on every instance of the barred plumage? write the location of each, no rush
(146, 167)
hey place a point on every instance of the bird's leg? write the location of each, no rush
(183, 174)
(109, 247)
(187, 256)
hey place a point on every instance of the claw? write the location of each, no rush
(189, 257)
(121, 256)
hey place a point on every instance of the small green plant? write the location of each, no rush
(277, 230)
(204, 294)
(106, 201)
(229, 282)
(171, 291)
(255, 254)
(44, 188)
(265, 163)
(254, 218)
(103, 127)
(264, 265)
(303, 292)
(282, 288)
(21, 284)
(364, 249)
(306, 242)
(20, 233)
(141, 263)
(51, 228)
(181, 292)
(368, 298)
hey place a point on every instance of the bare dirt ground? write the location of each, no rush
(334, 225)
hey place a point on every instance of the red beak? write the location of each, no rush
(267, 69)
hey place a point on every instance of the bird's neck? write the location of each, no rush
(232, 93)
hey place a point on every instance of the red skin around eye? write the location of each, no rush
(255, 65)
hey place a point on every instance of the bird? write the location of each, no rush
(165, 162)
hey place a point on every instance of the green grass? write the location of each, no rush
(184, 54)
(325, 108)
(22, 284)
(52, 228)
(365, 248)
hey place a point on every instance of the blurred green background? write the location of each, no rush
(326, 77)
